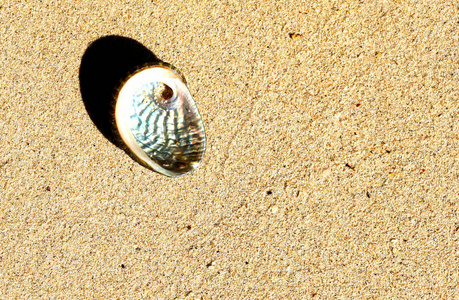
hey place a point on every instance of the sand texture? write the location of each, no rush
(331, 169)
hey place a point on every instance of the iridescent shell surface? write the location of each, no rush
(158, 121)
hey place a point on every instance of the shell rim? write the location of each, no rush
(125, 134)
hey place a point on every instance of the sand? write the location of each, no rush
(331, 169)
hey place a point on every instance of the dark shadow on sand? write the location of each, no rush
(105, 63)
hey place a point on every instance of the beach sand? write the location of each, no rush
(331, 169)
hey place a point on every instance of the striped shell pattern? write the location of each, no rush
(159, 122)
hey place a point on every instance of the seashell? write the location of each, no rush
(158, 121)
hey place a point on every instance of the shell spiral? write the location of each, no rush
(158, 121)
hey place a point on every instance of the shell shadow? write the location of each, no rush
(105, 63)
